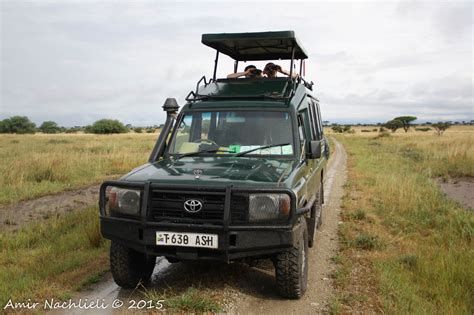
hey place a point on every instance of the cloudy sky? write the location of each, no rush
(78, 61)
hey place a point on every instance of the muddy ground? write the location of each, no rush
(14, 216)
(460, 189)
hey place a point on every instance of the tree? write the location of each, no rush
(106, 126)
(393, 124)
(406, 120)
(441, 127)
(49, 127)
(17, 124)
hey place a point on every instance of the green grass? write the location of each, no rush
(53, 258)
(416, 243)
(191, 300)
(36, 165)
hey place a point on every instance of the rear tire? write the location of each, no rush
(130, 267)
(291, 268)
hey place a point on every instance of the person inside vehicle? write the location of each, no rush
(249, 72)
(272, 69)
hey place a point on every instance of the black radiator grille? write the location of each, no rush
(169, 206)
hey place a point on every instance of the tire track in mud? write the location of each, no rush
(248, 290)
(14, 216)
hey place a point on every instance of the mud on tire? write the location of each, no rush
(129, 267)
(291, 268)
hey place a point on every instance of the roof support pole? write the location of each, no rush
(236, 64)
(292, 61)
(215, 65)
(301, 67)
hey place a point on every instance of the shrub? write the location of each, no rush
(424, 129)
(366, 241)
(106, 126)
(342, 129)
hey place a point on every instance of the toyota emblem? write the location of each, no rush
(192, 205)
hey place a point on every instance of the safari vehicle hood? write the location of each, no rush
(239, 171)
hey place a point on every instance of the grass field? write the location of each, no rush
(405, 247)
(35, 165)
(52, 259)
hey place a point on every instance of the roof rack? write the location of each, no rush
(264, 88)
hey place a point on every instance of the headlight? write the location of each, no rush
(123, 201)
(264, 207)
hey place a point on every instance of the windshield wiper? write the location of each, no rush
(261, 148)
(203, 151)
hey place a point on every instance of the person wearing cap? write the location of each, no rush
(249, 72)
(272, 69)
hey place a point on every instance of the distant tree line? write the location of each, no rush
(401, 122)
(23, 125)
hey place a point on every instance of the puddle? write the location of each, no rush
(460, 189)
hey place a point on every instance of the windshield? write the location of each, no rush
(233, 132)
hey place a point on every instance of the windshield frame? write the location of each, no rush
(295, 136)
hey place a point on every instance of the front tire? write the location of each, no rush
(130, 267)
(291, 268)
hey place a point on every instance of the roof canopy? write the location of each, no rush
(256, 46)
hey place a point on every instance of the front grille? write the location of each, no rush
(169, 206)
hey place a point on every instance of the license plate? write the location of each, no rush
(186, 239)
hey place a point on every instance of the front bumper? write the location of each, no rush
(235, 241)
(233, 244)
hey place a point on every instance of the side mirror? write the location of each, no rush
(315, 149)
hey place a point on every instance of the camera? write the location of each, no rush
(255, 72)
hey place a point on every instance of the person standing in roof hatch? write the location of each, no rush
(249, 72)
(272, 69)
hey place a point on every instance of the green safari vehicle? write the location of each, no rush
(237, 175)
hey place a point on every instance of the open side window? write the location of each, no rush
(316, 120)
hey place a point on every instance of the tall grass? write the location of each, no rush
(35, 165)
(422, 258)
(51, 259)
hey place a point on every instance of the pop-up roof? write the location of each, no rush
(256, 46)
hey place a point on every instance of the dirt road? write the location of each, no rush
(249, 290)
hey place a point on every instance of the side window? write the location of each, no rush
(317, 120)
(320, 121)
(305, 128)
(312, 119)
